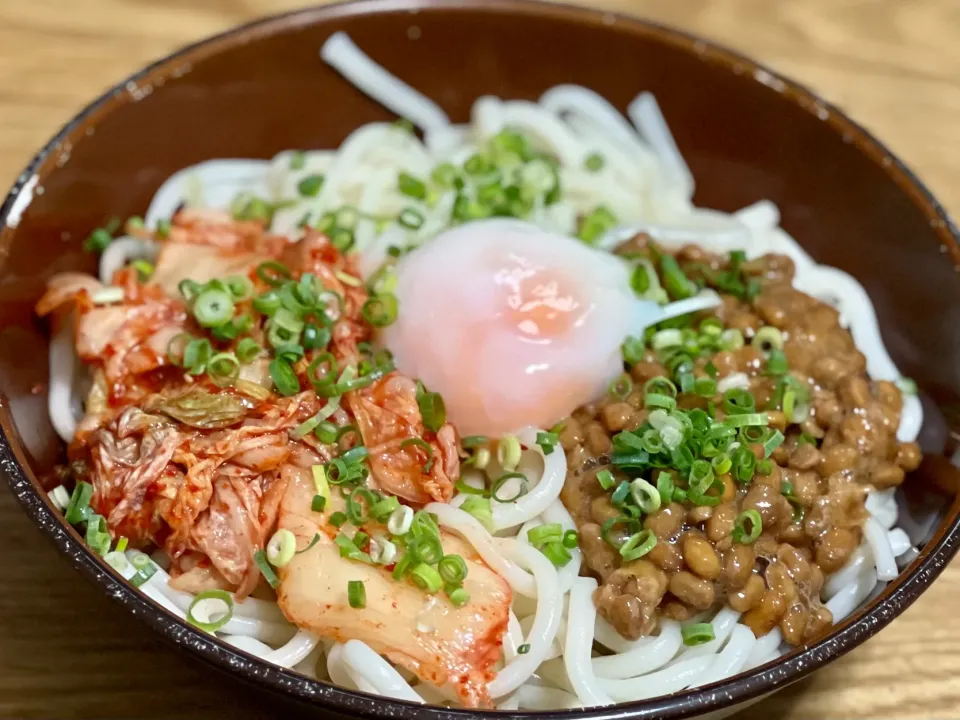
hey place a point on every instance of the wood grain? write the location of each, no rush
(66, 651)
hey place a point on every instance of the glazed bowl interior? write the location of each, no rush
(746, 134)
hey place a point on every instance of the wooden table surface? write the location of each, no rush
(67, 651)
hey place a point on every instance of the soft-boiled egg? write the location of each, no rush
(512, 325)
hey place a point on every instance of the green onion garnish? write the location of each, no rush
(260, 557)
(453, 569)
(479, 507)
(426, 578)
(318, 504)
(284, 378)
(411, 186)
(547, 441)
(381, 310)
(432, 408)
(621, 387)
(523, 649)
(748, 519)
(645, 495)
(458, 597)
(500, 482)
(338, 519)
(556, 553)
(571, 539)
(542, 534)
(638, 545)
(697, 634)
(606, 480)
(356, 594)
(281, 547)
(207, 597)
(79, 508)
(594, 162)
(310, 186)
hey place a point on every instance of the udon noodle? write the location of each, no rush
(557, 651)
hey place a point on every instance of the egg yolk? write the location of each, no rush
(513, 326)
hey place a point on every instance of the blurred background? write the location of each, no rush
(893, 65)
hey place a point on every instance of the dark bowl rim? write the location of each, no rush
(747, 686)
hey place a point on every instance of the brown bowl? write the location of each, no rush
(747, 134)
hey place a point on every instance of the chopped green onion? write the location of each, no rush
(310, 185)
(411, 186)
(747, 420)
(907, 386)
(595, 224)
(273, 273)
(97, 535)
(121, 544)
(701, 476)
(426, 578)
(697, 634)
(619, 496)
(731, 339)
(338, 519)
(163, 228)
(675, 282)
(738, 401)
(411, 218)
(381, 310)
(423, 445)
(638, 545)
(144, 269)
(211, 597)
(744, 464)
(508, 452)
(523, 649)
(269, 575)
(705, 387)
(594, 162)
(645, 495)
(556, 553)
(542, 534)
(98, 241)
(503, 480)
(633, 350)
(777, 363)
(571, 539)
(432, 409)
(356, 594)
(79, 508)
(213, 307)
(621, 387)
(606, 480)
(284, 378)
(721, 464)
(741, 533)
(383, 509)
(247, 350)
(665, 487)
(281, 547)
(145, 568)
(547, 441)
(400, 520)
(768, 338)
(764, 467)
(453, 569)
(314, 541)
(479, 508)
(223, 367)
(772, 443)
(458, 597)
(319, 503)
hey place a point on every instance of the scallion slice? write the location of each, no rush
(542, 534)
(260, 557)
(508, 452)
(748, 527)
(427, 578)
(202, 602)
(356, 594)
(697, 634)
(281, 547)
(638, 545)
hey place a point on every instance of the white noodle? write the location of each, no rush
(883, 555)
(384, 87)
(360, 658)
(576, 652)
(649, 654)
(541, 496)
(545, 625)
